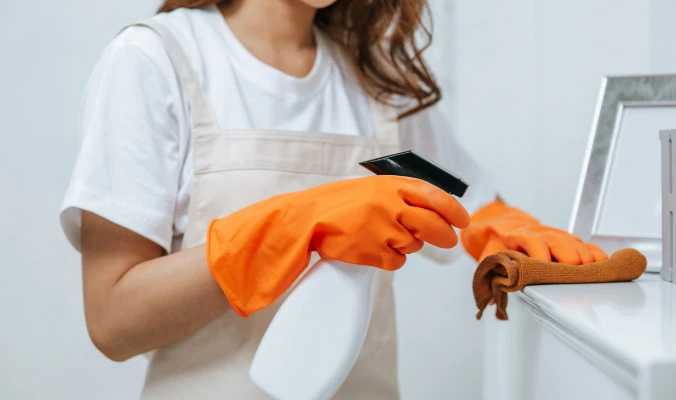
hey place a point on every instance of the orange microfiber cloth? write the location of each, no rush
(509, 271)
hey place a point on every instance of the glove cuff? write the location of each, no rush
(494, 219)
(490, 211)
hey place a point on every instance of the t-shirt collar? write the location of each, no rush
(266, 76)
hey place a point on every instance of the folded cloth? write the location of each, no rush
(509, 271)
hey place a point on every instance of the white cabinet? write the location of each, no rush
(594, 341)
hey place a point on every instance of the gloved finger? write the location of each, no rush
(562, 249)
(425, 195)
(428, 226)
(403, 241)
(583, 252)
(599, 255)
(413, 247)
(532, 243)
(392, 260)
(493, 245)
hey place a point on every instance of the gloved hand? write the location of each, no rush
(497, 227)
(256, 253)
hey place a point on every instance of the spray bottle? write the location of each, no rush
(315, 337)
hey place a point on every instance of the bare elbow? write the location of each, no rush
(107, 342)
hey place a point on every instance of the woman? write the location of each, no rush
(241, 124)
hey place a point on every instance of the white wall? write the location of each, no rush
(520, 78)
(47, 50)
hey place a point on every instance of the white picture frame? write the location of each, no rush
(618, 202)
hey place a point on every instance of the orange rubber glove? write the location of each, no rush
(256, 253)
(497, 227)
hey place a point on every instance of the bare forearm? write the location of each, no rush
(155, 303)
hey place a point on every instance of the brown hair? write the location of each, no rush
(379, 37)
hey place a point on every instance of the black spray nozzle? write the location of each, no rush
(410, 164)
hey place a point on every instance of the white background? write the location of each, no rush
(521, 79)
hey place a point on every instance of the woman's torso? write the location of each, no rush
(234, 166)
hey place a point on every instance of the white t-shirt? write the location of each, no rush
(135, 164)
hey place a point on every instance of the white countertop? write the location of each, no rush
(633, 323)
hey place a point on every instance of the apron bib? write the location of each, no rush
(236, 168)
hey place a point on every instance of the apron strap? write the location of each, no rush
(385, 123)
(202, 117)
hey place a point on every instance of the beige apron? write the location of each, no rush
(233, 169)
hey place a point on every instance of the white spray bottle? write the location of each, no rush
(315, 337)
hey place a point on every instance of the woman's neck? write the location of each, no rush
(278, 32)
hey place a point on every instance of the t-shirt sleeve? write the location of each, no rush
(129, 163)
(429, 134)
